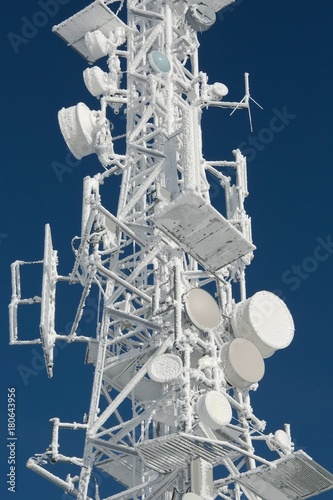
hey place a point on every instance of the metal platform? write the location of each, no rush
(294, 477)
(176, 451)
(202, 231)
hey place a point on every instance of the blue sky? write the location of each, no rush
(287, 49)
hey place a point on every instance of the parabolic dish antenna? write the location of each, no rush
(165, 368)
(95, 80)
(202, 309)
(77, 127)
(200, 16)
(243, 363)
(214, 410)
(282, 439)
(219, 89)
(265, 320)
(159, 62)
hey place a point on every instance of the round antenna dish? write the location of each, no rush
(243, 364)
(265, 320)
(95, 80)
(77, 127)
(202, 309)
(214, 410)
(219, 89)
(97, 44)
(282, 439)
(165, 368)
(159, 62)
(200, 17)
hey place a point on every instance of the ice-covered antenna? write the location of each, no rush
(246, 100)
(176, 359)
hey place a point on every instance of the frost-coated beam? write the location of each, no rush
(68, 487)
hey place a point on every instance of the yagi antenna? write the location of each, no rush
(246, 100)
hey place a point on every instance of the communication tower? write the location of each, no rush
(175, 356)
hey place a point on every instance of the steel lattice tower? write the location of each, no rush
(175, 357)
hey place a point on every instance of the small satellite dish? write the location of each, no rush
(200, 16)
(159, 62)
(219, 90)
(265, 320)
(242, 362)
(214, 410)
(202, 309)
(97, 44)
(282, 439)
(77, 126)
(95, 80)
(165, 368)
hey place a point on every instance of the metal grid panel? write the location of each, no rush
(176, 451)
(295, 477)
(202, 231)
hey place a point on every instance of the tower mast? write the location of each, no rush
(175, 357)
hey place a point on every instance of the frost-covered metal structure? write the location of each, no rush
(175, 356)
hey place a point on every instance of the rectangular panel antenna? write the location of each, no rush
(97, 16)
(202, 231)
(47, 316)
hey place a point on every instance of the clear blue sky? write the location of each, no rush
(286, 47)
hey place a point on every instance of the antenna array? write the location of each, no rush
(175, 357)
